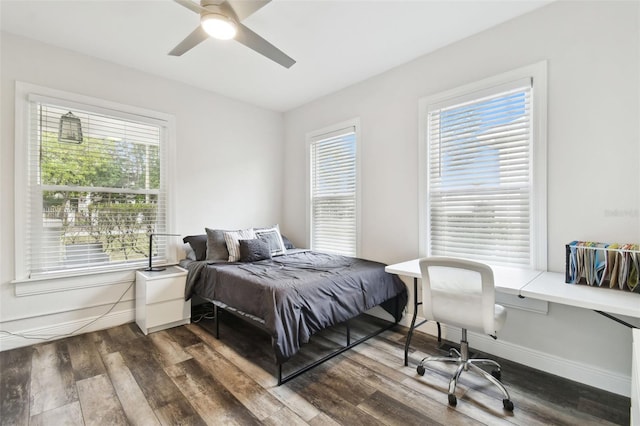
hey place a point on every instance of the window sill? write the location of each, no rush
(61, 283)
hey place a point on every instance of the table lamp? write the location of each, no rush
(151, 267)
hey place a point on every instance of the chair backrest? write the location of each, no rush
(458, 292)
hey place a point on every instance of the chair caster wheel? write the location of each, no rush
(453, 401)
(508, 405)
(497, 374)
(420, 370)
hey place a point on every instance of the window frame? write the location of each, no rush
(25, 93)
(538, 152)
(355, 123)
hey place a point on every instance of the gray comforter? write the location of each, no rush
(298, 294)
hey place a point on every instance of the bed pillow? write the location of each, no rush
(188, 252)
(216, 245)
(254, 250)
(232, 238)
(199, 245)
(272, 237)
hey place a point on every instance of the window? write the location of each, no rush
(333, 201)
(89, 200)
(484, 195)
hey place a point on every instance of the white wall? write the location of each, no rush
(228, 174)
(592, 49)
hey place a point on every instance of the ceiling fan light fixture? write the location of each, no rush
(218, 26)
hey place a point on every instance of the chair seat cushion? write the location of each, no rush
(457, 318)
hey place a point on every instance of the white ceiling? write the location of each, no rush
(335, 43)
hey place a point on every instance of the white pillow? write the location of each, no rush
(232, 238)
(272, 237)
(189, 253)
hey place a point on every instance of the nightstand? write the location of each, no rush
(160, 300)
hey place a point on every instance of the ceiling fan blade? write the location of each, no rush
(190, 5)
(244, 8)
(262, 46)
(196, 37)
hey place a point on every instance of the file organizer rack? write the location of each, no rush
(632, 261)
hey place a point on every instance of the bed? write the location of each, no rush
(296, 294)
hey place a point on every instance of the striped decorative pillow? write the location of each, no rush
(232, 238)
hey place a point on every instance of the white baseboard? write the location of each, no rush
(563, 367)
(62, 330)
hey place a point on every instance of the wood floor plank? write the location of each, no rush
(68, 415)
(312, 388)
(105, 344)
(183, 336)
(323, 420)
(178, 413)
(592, 404)
(393, 412)
(295, 402)
(162, 394)
(122, 335)
(52, 379)
(135, 405)
(99, 402)
(210, 398)
(260, 402)
(15, 374)
(168, 350)
(284, 416)
(85, 358)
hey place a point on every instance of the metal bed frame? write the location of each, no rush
(348, 345)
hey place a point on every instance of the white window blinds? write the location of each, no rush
(93, 201)
(334, 192)
(479, 176)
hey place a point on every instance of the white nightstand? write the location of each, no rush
(160, 300)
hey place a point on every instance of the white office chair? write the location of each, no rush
(461, 293)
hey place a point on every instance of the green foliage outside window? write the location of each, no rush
(118, 222)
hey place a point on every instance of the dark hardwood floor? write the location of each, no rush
(185, 376)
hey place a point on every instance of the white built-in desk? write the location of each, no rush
(506, 280)
(550, 286)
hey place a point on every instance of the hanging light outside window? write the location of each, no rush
(70, 129)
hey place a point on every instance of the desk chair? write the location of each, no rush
(461, 293)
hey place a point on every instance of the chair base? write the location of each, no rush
(465, 364)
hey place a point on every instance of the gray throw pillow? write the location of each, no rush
(272, 237)
(216, 245)
(254, 250)
(198, 244)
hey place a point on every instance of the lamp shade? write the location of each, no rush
(218, 26)
(70, 129)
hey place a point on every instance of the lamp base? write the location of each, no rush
(155, 269)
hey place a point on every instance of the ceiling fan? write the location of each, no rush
(222, 20)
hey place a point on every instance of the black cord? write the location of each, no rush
(201, 312)
(58, 336)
